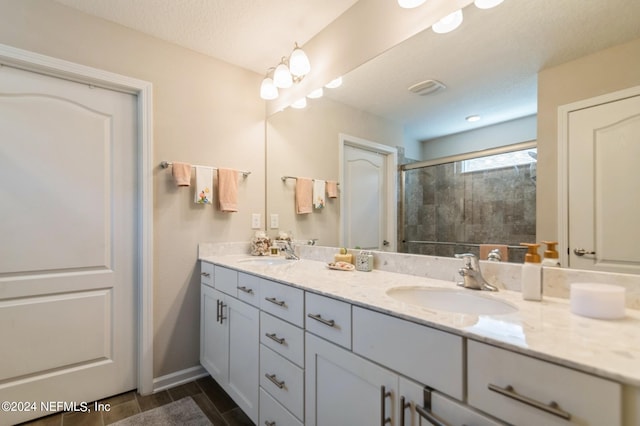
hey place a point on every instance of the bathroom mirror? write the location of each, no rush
(489, 66)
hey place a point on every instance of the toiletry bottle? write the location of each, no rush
(531, 273)
(551, 257)
(344, 256)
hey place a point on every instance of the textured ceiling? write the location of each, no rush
(489, 64)
(252, 34)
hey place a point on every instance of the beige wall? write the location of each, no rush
(205, 112)
(305, 143)
(607, 71)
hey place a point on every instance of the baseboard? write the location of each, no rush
(178, 378)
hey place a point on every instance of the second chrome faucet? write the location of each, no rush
(471, 275)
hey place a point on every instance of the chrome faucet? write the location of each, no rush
(289, 252)
(471, 275)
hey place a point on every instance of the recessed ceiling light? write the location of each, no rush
(472, 118)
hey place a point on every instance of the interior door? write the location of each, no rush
(365, 200)
(604, 179)
(68, 241)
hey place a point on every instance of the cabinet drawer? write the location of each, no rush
(283, 301)
(272, 413)
(519, 389)
(328, 318)
(282, 337)
(283, 380)
(429, 356)
(206, 273)
(249, 289)
(447, 409)
(226, 280)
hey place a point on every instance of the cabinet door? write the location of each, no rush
(214, 352)
(343, 389)
(244, 345)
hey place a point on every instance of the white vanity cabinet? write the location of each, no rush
(229, 342)
(527, 391)
(343, 389)
(427, 355)
(281, 353)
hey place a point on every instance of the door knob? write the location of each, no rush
(582, 252)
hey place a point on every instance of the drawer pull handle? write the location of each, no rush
(383, 416)
(274, 380)
(403, 407)
(317, 317)
(551, 408)
(276, 339)
(424, 411)
(275, 301)
(268, 423)
(205, 274)
(246, 290)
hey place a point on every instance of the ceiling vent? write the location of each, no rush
(426, 87)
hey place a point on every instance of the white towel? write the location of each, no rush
(319, 190)
(204, 180)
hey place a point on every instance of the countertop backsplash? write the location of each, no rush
(556, 281)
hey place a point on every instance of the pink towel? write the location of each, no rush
(181, 173)
(332, 189)
(304, 195)
(228, 190)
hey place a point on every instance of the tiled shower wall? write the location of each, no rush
(443, 205)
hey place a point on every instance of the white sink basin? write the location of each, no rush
(266, 260)
(460, 301)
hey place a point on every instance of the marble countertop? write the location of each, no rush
(546, 330)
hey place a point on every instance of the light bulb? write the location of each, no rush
(334, 83)
(448, 23)
(299, 104)
(282, 77)
(268, 89)
(487, 4)
(410, 4)
(316, 94)
(472, 118)
(298, 62)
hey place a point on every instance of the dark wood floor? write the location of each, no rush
(209, 396)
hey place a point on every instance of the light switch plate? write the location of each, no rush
(255, 221)
(275, 221)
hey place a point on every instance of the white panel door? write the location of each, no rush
(68, 241)
(364, 196)
(604, 183)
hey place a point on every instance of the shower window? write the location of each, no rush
(447, 207)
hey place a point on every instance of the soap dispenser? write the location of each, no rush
(531, 273)
(551, 254)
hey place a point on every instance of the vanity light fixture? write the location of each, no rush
(448, 23)
(268, 89)
(282, 76)
(289, 71)
(316, 94)
(473, 118)
(298, 62)
(487, 4)
(334, 83)
(410, 4)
